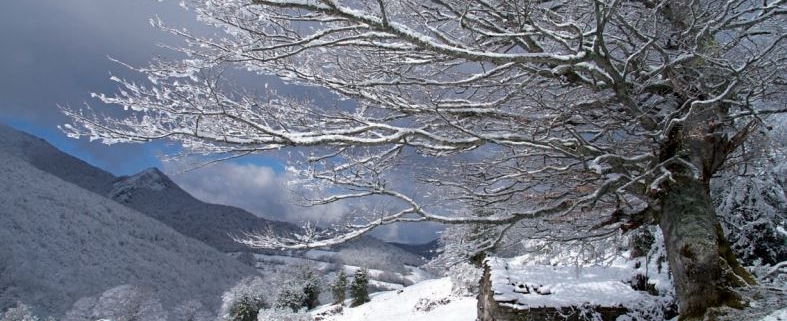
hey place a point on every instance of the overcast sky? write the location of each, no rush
(56, 53)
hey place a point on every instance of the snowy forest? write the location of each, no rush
(586, 160)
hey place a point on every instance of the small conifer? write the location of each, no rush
(339, 287)
(358, 289)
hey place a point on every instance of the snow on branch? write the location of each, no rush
(548, 112)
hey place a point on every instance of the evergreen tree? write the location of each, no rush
(300, 288)
(311, 288)
(358, 288)
(244, 300)
(245, 309)
(339, 287)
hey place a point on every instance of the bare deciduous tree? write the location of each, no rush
(564, 116)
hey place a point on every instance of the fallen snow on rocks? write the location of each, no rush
(522, 286)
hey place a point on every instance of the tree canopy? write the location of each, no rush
(565, 118)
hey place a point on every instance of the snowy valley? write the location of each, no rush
(76, 240)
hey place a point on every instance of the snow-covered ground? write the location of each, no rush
(534, 286)
(429, 300)
(779, 315)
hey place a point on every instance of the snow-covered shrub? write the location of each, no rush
(244, 300)
(81, 310)
(339, 287)
(465, 278)
(429, 304)
(20, 312)
(640, 241)
(300, 287)
(245, 309)
(275, 314)
(326, 314)
(359, 290)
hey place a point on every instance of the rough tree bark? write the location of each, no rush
(703, 268)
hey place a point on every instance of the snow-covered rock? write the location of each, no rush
(514, 288)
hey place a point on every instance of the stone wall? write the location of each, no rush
(491, 310)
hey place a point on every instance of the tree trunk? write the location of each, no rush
(703, 269)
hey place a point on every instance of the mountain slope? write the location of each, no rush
(47, 158)
(150, 192)
(425, 250)
(153, 193)
(370, 252)
(62, 243)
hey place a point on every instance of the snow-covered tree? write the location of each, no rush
(339, 286)
(20, 312)
(359, 288)
(128, 302)
(299, 288)
(751, 198)
(464, 279)
(243, 301)
(569, 118)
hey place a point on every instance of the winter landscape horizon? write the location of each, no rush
(343, 160)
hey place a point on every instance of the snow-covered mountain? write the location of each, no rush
(156, 195)
(153, 193)
(46, 157)
(61, 243)
(150, 192)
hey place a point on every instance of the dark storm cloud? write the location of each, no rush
(55, 52)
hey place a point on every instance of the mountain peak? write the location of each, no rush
(150, 178)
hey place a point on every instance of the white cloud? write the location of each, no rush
(266, 192)
(258, 189)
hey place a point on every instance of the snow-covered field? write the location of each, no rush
(429, 300)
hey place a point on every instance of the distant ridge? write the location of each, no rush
(39, 153)
(154, 194)
(427, 250)
(150, 192)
